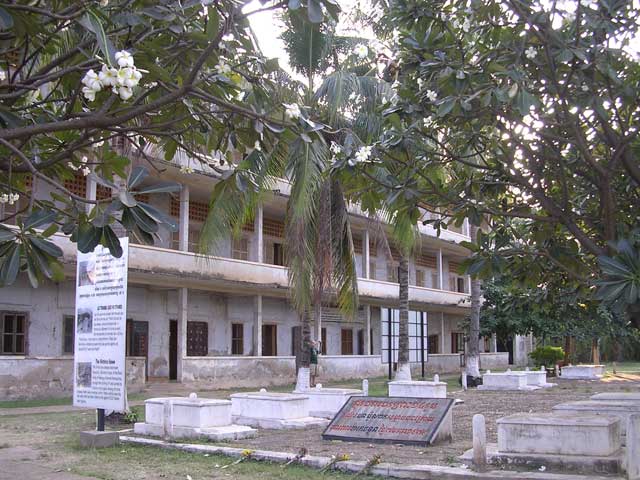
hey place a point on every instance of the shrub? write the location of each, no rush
(547, 356)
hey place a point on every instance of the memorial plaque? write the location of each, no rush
(389, 420)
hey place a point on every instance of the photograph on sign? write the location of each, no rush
(390, 419)
(100, 329)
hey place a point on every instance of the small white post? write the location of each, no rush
(479, 442)
(633, 447)
(365, 387)
(464, 380)
(436, 378)
(542, 369)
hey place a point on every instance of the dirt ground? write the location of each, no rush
(492, 405)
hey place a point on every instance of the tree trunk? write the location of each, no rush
(303, 379)
(404, 368)
(473, 352)
(595, 351)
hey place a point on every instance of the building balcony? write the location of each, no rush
(168, 268)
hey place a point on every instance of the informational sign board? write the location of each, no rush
(389, 420)
(100, 329)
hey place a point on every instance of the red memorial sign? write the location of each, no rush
(389, 419)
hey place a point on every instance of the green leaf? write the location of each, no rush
(144, 221)
(112, 242)
(314, 11)
(127, 199)
(159, 216)
(39, 218)
(10, 266)
(170, 149)
(294, 4)
(88, 237)
(6, 20)
(138, 174)
(46, 246)
(161, 187)
(6, 234)
(213, 23)
(446, 106)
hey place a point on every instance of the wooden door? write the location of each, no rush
(269, 340)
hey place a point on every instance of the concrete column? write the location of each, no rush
(469, 284)
(366, 255)
(92, 186)
(465, 227)
(494, 343)
(367, 330)
(440, 267)
(442, 344)
(183, 229)
(257, 332)
(183, 315)
(259, 236)
(479, 441)
(633, 447)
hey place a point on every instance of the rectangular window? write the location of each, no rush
(269, 340)
(323, 346)
(237, 339)
(457, 342)
(137, 338)
(434, 281)
(420, 278)
(67, 334)
(240, 249)
(197, 339)
(461, 285)
(346, 340)
(432, 344)
(14, 333)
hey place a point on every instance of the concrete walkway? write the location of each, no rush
(25, 463)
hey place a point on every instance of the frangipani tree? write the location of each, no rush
(85, 86)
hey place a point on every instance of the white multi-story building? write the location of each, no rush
(226, 321)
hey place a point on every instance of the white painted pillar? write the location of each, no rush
(366, 255)
(465, 227)
(633, 447)
(442, 344)
(479, 441)
(183, 229)
(367, 330)
(92, 187)
(494, 343)
(440, 267)
(259, 235)
(257, 330)
(469, 284)
(183, 315)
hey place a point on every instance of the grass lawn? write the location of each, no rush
(54, 439)
(624, 367)
(44, 402)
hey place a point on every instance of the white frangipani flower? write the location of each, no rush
(227, 37)
(92, 81)
(124, 59)
(104, 3)
(466, 25)
(3, 75)
(361, 51)
(89, 93)
(125, 92)
(585, 87)
(257, 146)
(335, 148)
(186, 169)
(4, 198)
(432, 96)
(151, 85)
(108, 76)
(292, 110)
(85, 171)
(222, 68)
(531, 53)
(363, 154)
(420, 83)
(460, 75)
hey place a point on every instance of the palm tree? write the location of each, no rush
(473, 353)
(342, 109)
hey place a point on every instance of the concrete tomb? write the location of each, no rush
(506, 381)
(273, 410)
(583, 372)
(538, 378)
(618, 396)
(559, 434)
(621, 409)
(418, 389)
(326, 402)
(193, 417)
